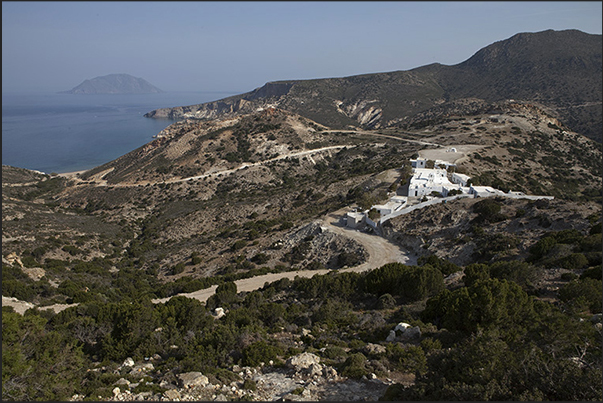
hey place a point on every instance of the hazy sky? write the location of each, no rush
(239, 46)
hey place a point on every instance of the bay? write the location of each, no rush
(60, 133)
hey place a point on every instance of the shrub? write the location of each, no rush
(542, 247)
(485, 304)
(249, 384)
(474, 273)
(412, 283)
(386, 301)
(258, 352)
(334, 353)
(488, 210)
(355, 366)
(260, 258)
(582, 294)
(238, 245)
(442, 265)
(407, 358)
(575, 261)
(520, 272)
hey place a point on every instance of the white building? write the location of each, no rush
(425, 181)
(460, 179)
(353, 219)
(393, 204)
(418, 163)
(485, 191)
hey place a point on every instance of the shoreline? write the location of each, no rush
(72, 174)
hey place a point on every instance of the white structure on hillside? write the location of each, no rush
(424, 181)
(354, 219)
(393, 204)
(485, 191)
(418, 163)
(460, 179)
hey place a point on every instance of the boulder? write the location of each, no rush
(171, 394)
(219, 312)
(129, 362)
(303, 361)
(373, 349)
(192, 379)
(404, 331)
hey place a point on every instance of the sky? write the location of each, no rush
(239, 46)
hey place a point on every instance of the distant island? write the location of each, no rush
(114, 84)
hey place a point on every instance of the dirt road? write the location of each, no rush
(380, 250)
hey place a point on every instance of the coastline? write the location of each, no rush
(70, 175)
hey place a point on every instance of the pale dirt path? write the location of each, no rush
(384, 135)
(22, 306)
(380, 250)
(100, 181)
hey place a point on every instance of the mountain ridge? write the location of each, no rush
(559, 69)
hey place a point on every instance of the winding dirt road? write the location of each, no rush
(380, 251)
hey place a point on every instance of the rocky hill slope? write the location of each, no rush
(560, 70)
(114, 84)
(208, 203)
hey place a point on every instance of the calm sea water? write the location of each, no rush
(63, 132)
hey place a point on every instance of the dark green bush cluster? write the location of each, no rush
(412, 283)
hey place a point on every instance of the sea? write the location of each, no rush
(59, 133)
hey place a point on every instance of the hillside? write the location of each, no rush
(114, 84)
(560, 70)
(229, 212)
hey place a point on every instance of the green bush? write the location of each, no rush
(542, 247)
(474, 273)
(355, 366)
(488, 210)
(583, 294)
(411, 283)
(520, 272)
(386, 301)
(249, 384)
(442, 265)
(407, 358)
(259, 352)
(486, 304)
(575, 261)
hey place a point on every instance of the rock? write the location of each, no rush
(372, 348)
(315, 370)
(330, 372)
(219, 312)
(171, 394)
(290, 397)
(129, 362)
(142, 368)
(192, 379)
(116, 391)
(412, 333)
(122, 381)
(303, 361)
(405, 331)
(221, 398)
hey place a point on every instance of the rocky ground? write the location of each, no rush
(301, 378)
